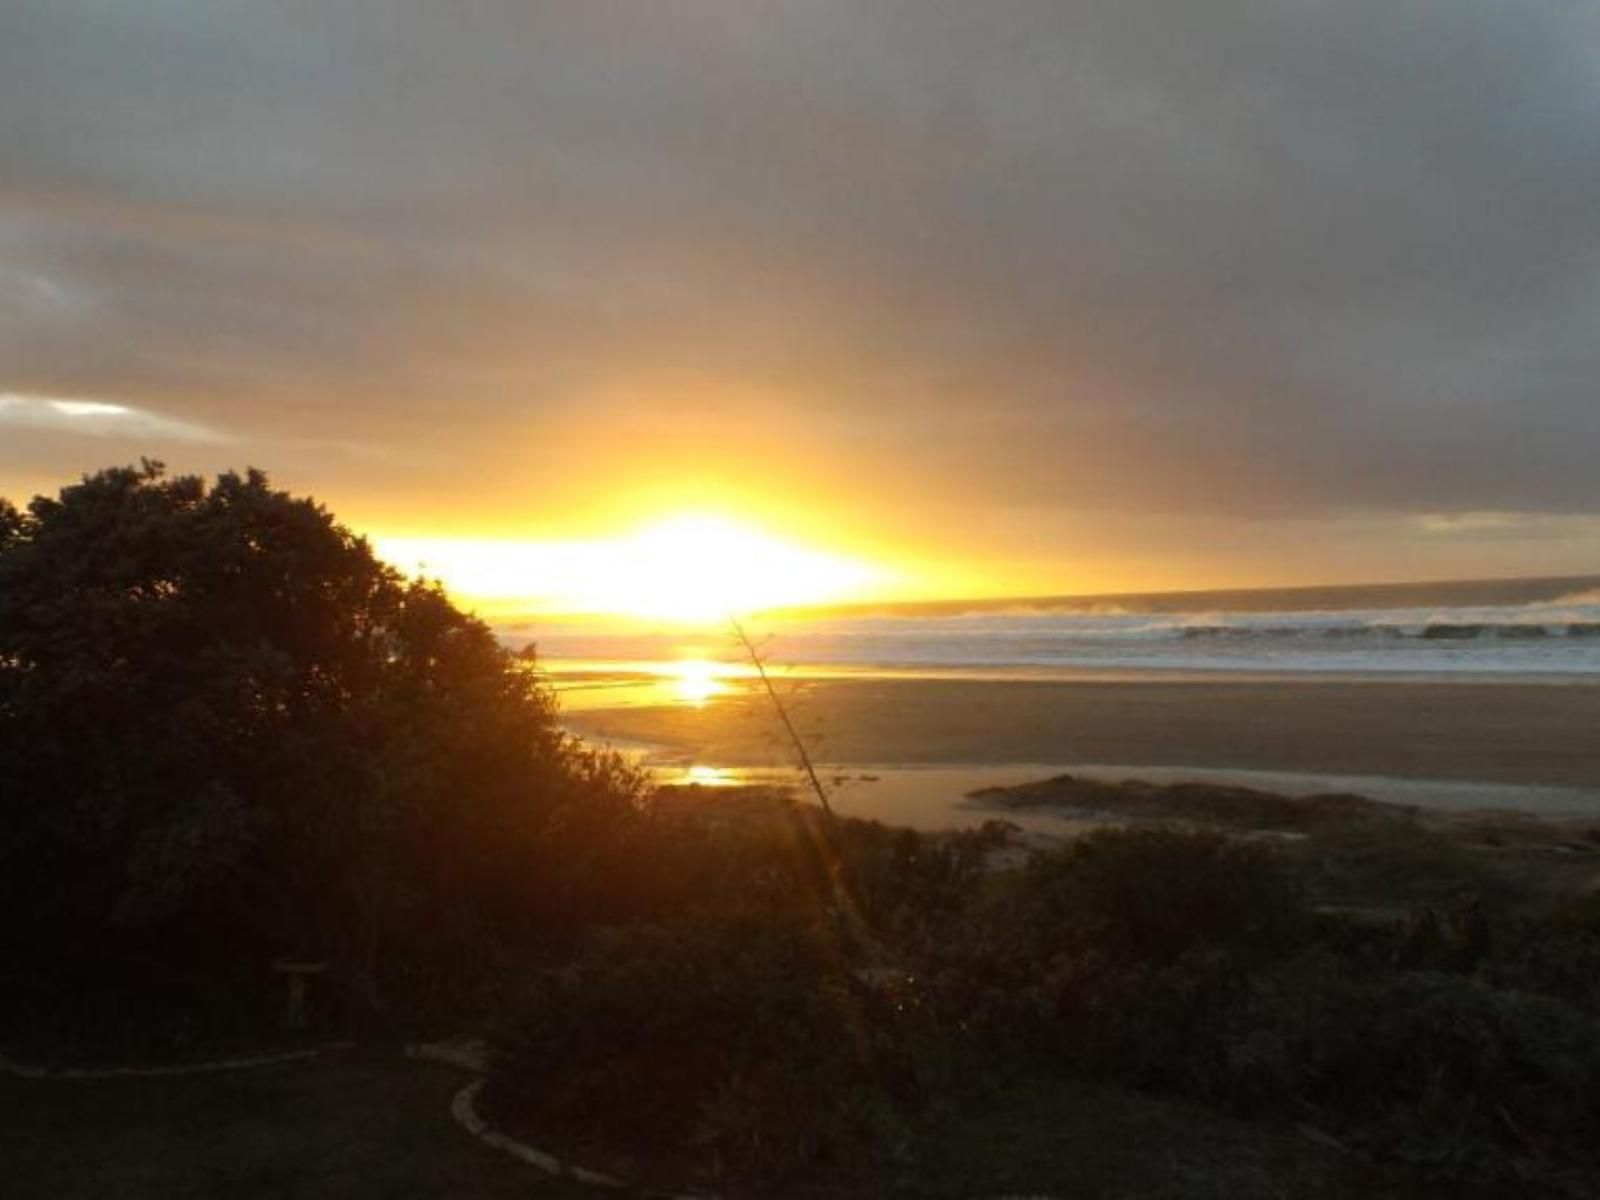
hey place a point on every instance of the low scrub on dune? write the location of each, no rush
(779, 1053)
(733, 1048)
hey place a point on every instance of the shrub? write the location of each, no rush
(231, 733)
(1187, 964)
(734, 1045)
(1077, 927)
(1402, 863)
(910, 887)
(1439, 1069)
(1151, 896)
(1556, 956)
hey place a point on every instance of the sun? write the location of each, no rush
(700, 567)
(692, 568)
(696, 680)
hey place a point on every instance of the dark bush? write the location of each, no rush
(1065, 935)
(728, 1045)
(1150, 896)
(1187, 964)
(230, 733)
(1443, 1070)
(1558, 955)
(910, 887)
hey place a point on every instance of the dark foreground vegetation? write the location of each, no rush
(754, 1035)
(232, 738)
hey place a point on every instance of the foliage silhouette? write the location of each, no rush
(230, 733)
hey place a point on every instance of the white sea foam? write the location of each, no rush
(1557, 637)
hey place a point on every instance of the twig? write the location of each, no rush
(783, 715)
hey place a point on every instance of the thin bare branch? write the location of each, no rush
(783, 715)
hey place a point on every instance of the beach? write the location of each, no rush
(1510, 744)
(1449, 696)
(1542, 734)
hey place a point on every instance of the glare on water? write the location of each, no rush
(695, 680)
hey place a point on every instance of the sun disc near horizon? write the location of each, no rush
(693, 568)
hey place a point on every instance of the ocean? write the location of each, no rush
(1509, 628)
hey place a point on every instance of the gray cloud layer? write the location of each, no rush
(1247, 258)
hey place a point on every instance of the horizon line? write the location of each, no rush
(955, 606)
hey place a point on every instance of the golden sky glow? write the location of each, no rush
(519, 283)
(690, 567)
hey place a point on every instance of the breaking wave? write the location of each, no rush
(1559, 637)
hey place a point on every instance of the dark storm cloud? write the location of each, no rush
(1249, 258)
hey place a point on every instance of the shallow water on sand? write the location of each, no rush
(908, 747)
(934, 797)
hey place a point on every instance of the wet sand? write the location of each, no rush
(1509, 733)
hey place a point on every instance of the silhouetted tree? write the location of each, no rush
(227, 731)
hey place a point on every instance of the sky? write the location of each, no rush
(1009, 297)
